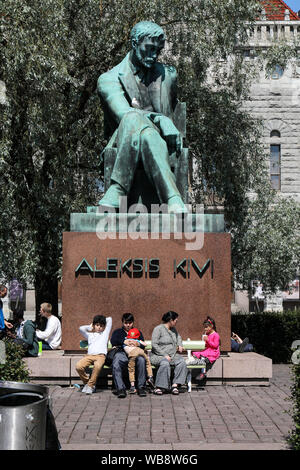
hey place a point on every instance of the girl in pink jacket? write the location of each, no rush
(211, 352)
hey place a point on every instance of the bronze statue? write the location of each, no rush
(139, 99)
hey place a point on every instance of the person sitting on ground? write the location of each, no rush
(166, 350)
(25, 334)
(120, 360)
(97, 335)
(3, 323)
(211, 352)
(133, 352)
(239, 345)
(51, 336)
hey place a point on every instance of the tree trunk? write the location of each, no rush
(46, 290)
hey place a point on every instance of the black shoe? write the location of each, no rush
(200, 377)
(243, 345)
(151, 383)
(121, 393)
(201, 380)
(142, 392)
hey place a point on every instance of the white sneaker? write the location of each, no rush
(89, 390)
(84, 388)
(192, 361)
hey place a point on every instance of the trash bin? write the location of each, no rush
(23, 414)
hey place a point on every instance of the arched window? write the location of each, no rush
(275, 164)
(275, 133)
(258, 32)
(275, 160)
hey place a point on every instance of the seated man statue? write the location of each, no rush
(139, 99)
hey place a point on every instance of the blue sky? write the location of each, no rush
(293, 4)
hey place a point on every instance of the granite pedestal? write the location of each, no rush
(146, 273)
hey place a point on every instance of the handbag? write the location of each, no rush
(111, 354)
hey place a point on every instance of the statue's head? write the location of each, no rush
(147, 40)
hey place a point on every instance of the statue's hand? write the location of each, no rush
(170, 133)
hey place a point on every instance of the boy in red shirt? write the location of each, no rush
(133, 352)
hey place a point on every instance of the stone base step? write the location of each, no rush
(56, 368)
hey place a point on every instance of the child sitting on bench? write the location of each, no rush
(133, 352)
(97, 335)
(211, 352)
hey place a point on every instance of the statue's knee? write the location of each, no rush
(133, 119)
(148, 132)
(150, 136)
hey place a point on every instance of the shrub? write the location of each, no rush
(271, 333)
(14, 369)
(294, 437)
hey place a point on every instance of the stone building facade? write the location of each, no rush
(275, 99)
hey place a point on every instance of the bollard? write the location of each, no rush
(2, 352)
(23, 414)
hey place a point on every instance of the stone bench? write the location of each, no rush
(188, 345)
(57, 368)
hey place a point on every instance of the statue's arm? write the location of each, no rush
(166, 125)
(112, 93)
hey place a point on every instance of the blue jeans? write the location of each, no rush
(235, 346)
(45, 346)
(120, 370)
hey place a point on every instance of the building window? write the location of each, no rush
(275, 134)
(276, 72)
(259, 32)
(275, 158)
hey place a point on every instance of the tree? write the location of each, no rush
(51, 55)
(48, 135)
(14, 368)
(266, 243)
(294, 436)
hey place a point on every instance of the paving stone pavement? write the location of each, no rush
(218, 417)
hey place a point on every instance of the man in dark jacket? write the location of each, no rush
(120, 361)
(25, 331)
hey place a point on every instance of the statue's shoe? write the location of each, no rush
(176, 205)
(112, 196)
